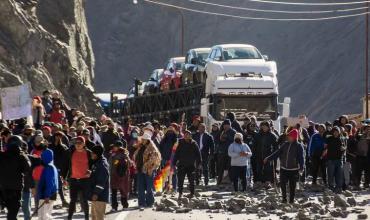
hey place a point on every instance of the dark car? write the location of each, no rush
(153, 84)
(193, 69)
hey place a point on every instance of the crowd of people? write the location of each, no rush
(101, 161)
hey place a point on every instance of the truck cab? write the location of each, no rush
(240, 80)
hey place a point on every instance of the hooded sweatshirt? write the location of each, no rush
(48, 184)
(234, 152)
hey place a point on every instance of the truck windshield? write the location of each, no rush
(234, 53)
(263, 107)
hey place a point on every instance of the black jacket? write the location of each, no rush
(62, 158)
(165, 147)
(216, 139)
(226, 138)
(335, 148)
(13, 165)
(108, 138)
(208, 144)
(99, 180)
(187, 154)
(265, 144)
(291, 156)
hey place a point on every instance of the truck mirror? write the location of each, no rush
(265, 57)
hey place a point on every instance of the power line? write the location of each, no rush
(277, 11)
(255, 18)
(310, 4)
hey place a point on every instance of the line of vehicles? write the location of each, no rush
(210, 82)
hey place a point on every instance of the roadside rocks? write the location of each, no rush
(340, 201)
(362, 216)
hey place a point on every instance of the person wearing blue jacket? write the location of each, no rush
(240, 154)
(99, 183)
(291, 155)
(48, 186)
(315, 150)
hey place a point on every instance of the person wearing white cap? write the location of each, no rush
(240, 154)
(147, 158)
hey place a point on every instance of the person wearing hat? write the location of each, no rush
(196, 119)
(266, 142)
(27, 134)
(61, 162)
(223, 159)
(207, 147)
(79, 173)
(187, 158)
(14, 164)
(240, 154)
(315, 150)
(234, 123)
(109, 137)
(147, 159)
(88, 143)
(120, 176)
(335, 147)
(291, 155)
(98, 183)
(47, 134)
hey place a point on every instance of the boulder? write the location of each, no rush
(351, 201)
(169, 202)
(347, 193)
(340, 201)
(362, 216)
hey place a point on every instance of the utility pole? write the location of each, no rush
(367, 63)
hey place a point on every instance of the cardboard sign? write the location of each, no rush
(302, 120)
(16, 102)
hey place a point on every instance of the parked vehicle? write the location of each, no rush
(172, 74)
(193, 68)
(152, 86)
(132, 92)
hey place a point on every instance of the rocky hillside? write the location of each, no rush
(320, 63)
(46, 43)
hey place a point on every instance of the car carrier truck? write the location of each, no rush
(239, 79)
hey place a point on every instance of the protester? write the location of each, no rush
(48, 186)
(234, 123)
(38, 112)
(316, 149)
(265, 144)
(291, 155)
(47, 102)
(195, 123)
(61, 162)
(99, 183)
(334, 152)
(119, 174)
(215, 132)
(187, 159)
(147, 159)
(13, 165)
(109, 137)
(79, 171)
(223, 159)
(362, 158)
(207, 147)
(57, 115)
(240, 154)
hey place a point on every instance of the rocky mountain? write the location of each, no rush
(320, 63)
(47, 44)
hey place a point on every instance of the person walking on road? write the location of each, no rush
(187, 158)
(291, 155)
(223, 159)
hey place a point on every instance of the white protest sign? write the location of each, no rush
(16, 102)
